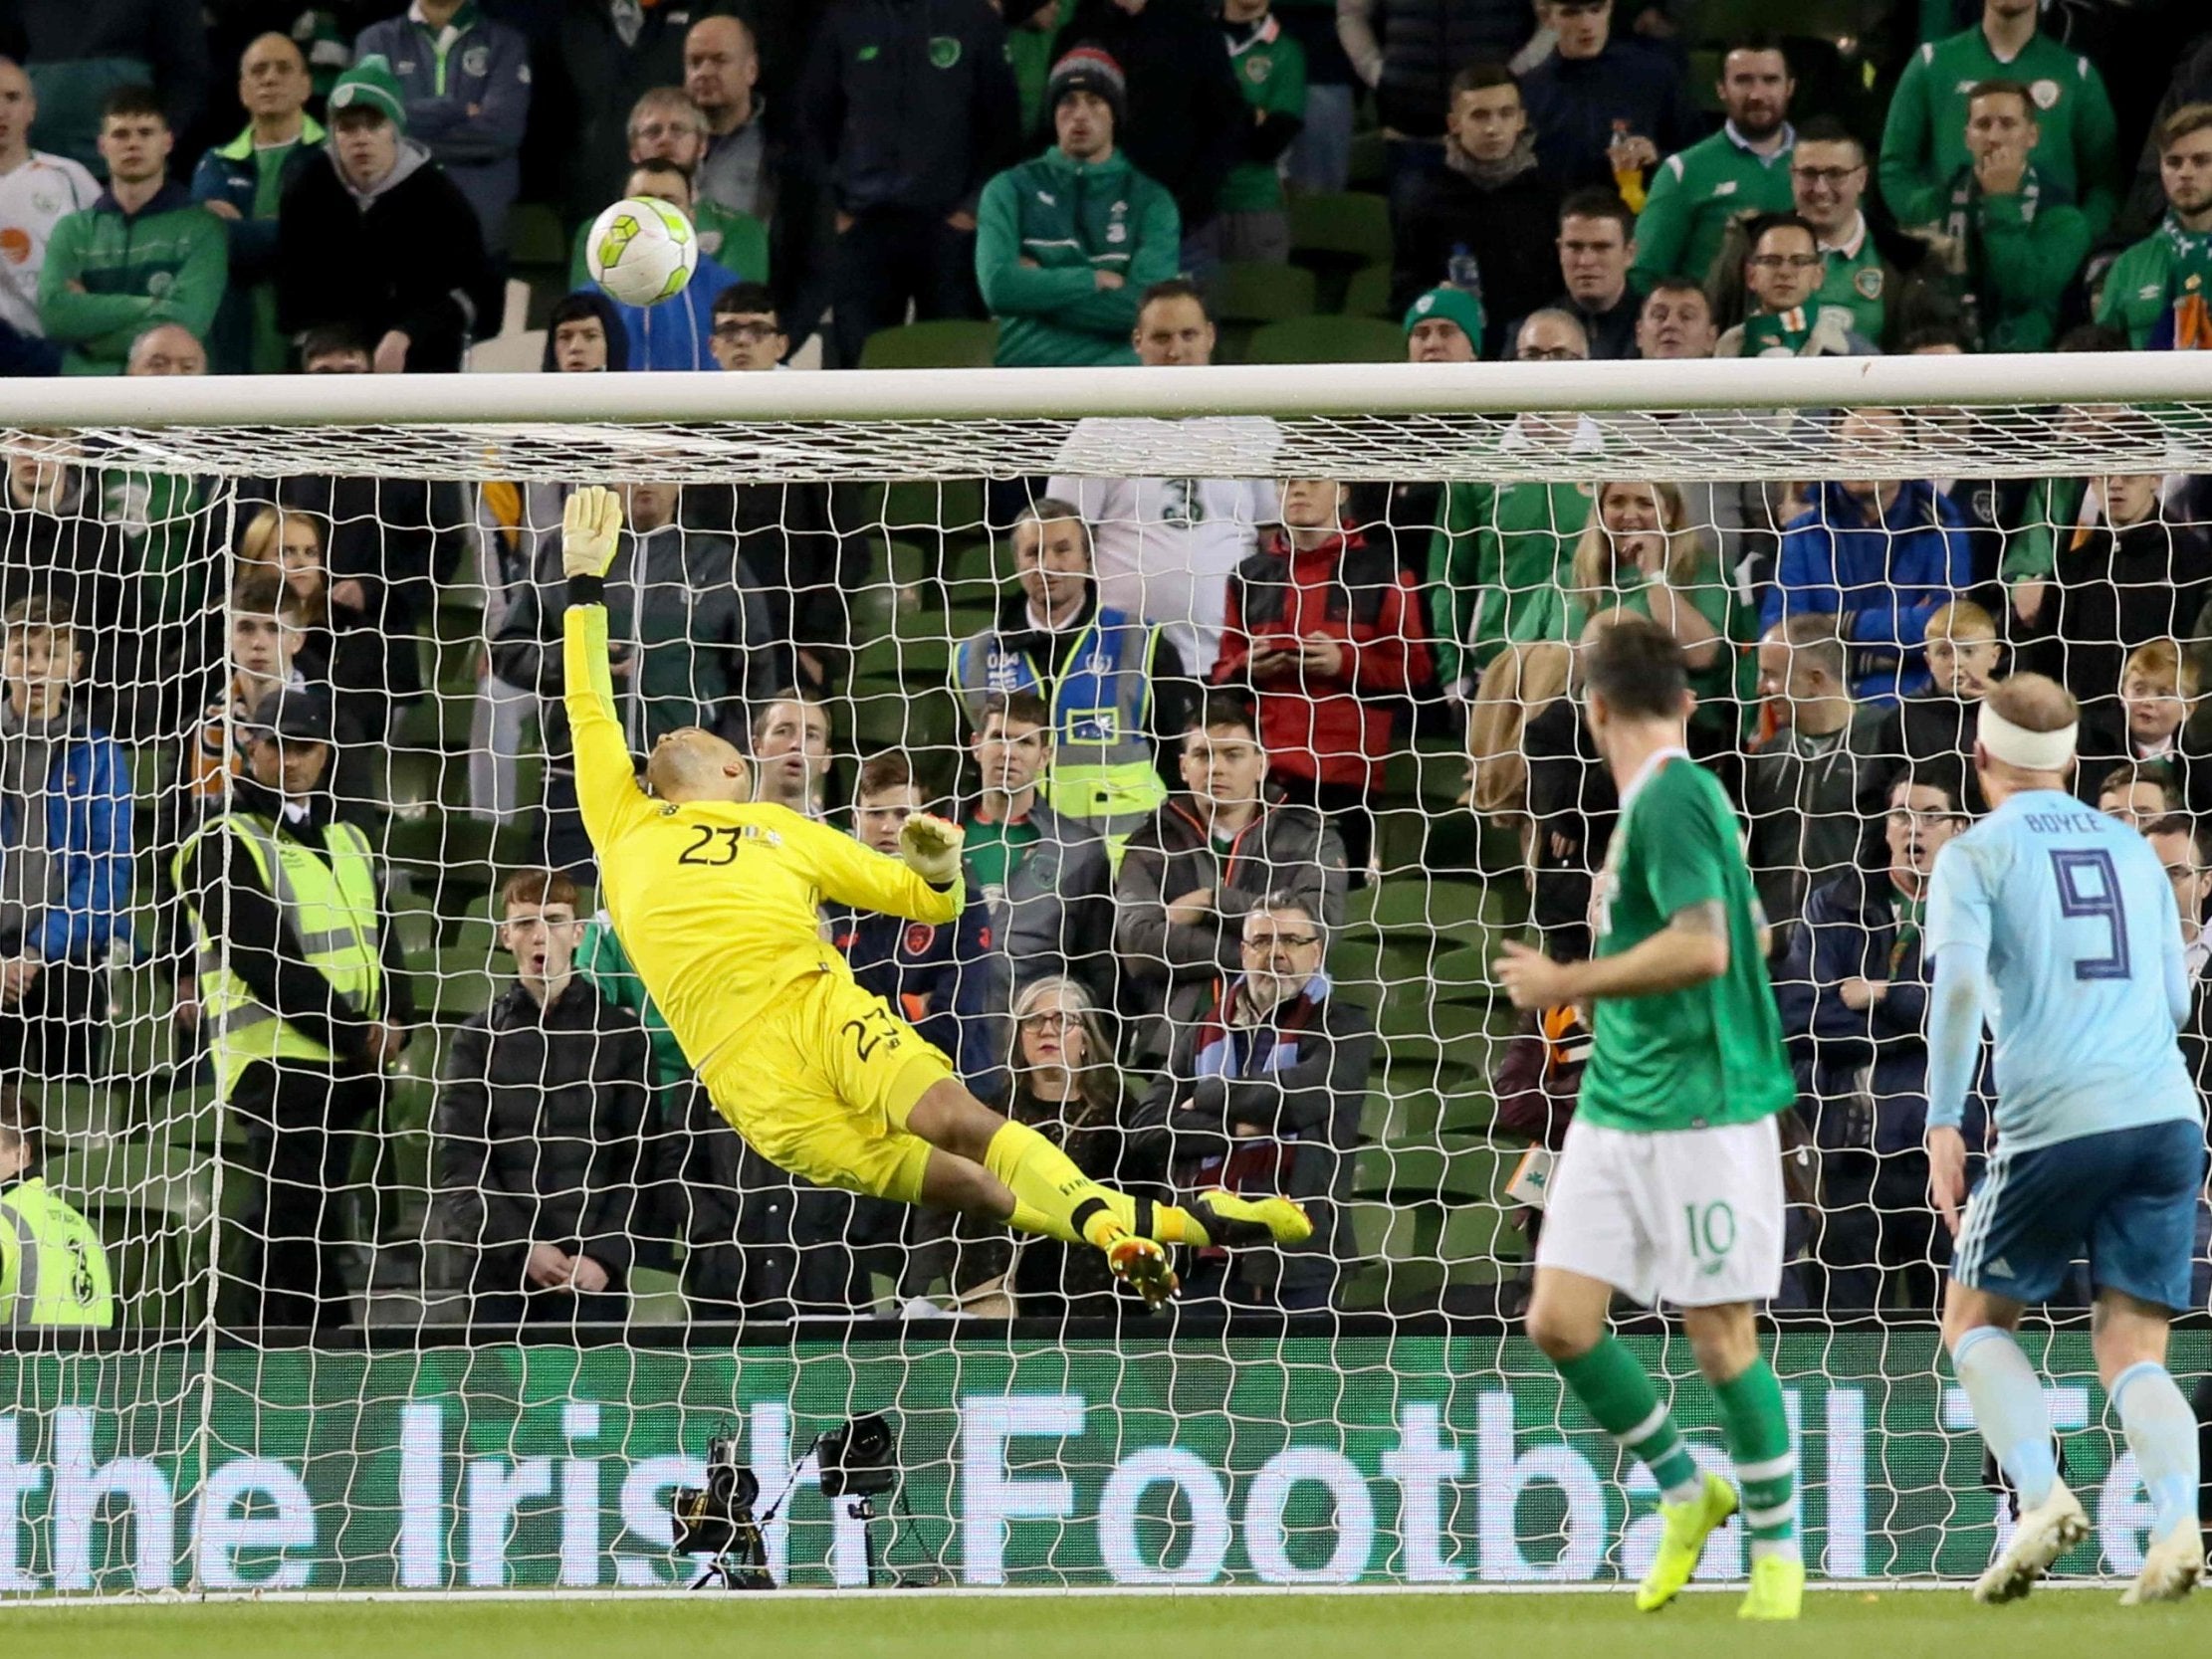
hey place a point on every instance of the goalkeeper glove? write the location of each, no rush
(930, 846)
(590, 524)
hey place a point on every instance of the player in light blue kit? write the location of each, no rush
(2059, 924)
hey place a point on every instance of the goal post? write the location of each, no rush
(384, 539)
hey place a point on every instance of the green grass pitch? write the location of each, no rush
(1845, 1624)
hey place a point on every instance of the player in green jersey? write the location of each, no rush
(1670, 1185)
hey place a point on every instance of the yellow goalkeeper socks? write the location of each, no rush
(1055, 1199)
(1051, 1195)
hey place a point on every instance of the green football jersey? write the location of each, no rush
(1711, 1054)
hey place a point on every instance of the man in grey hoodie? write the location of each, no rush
(380, 240)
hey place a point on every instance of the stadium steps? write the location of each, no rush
(1366, 293)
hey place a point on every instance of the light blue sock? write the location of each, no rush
(2006, 1397)
(2162, 1433)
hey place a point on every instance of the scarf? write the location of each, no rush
(2188, 288)
(1912, 917)
(1488, 176)
(1233, 1043)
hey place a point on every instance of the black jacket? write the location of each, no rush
(1513, 230)
(2116, 591)
(804, 572)
(538, 1133)
(1426, 42)
(1928, 728)
(909, 103)
(1186, 122)
(224, 888)
(1572, 795)
(1308, 1118)
(340, 261)
(1171, 969)
(1633, 86)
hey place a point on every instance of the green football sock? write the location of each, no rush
(1619, 1393)
(1758, 1431)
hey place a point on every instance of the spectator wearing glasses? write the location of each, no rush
(1783, 272)
(1263, 1093)
(1063, 1082)
(1190, 877)
(1853, 996)
(665, 125)
(1828, 187)
(806, 573)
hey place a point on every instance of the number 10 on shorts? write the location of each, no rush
(1712, 1233)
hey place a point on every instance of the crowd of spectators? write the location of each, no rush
(1175, 730)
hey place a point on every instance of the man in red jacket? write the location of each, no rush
(1327, 632)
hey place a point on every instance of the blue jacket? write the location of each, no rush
(674, 333)
(88, 824)
(946, 982)
(487, 69)
(1865, 1069)
(1883, 581)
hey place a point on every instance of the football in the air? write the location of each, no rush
(641, 251)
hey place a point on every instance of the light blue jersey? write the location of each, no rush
(2069, 915)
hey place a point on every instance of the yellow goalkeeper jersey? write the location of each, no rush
(717, 903)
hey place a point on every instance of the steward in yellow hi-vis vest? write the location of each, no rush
(1115, 682)
(717, 901)
(53, 1267)
(303, 999)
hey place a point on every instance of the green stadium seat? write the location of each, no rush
(154, 1205)
(657, 1298)
(951, 343)
(1346, 224)
(1410, 1172)
(1367, 295)
(534, 238)
(1327, 340)
(1249, 291)
(459, 986)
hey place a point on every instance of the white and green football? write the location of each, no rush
(641, 251)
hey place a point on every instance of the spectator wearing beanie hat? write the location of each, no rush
(380, 240)
(1065, 244)
(1444, 325)
(1186, 122)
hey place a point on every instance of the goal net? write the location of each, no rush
(410, 1254)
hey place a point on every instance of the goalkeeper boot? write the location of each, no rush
(1688, 1527)
(2044, 1534)
(1777, 1588)
(1240, 1223)
(2171, 1568)
(1143, 1264)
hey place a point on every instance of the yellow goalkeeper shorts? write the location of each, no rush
(824, 1088)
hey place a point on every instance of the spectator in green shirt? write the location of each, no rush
(1743, 168)
(1828, 182)
(1270, 69)
(1782, 275)
(1923, 143)
(2010, 243)
(241, 183)
(144, 253)
(2160, 289)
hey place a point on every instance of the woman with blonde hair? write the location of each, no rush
(340, 646)
(1641, 552)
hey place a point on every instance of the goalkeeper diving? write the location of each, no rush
(716, 899)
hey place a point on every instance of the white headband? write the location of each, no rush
(2016, 746)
